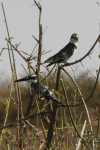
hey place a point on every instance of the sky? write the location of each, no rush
(62, 18)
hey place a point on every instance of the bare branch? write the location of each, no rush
(53, 117)
(40, 8)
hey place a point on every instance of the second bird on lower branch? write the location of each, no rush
(43, 90)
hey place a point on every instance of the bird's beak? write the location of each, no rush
(23, 79)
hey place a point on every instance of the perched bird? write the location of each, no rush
(43, 90)
(65, 53)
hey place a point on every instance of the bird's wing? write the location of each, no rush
(61, 55)
(54, 98)
(57, 58)
(42, 89)
(43, 86)
(48, 94)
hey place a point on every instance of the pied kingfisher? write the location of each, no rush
(43, 90)
(65, 53)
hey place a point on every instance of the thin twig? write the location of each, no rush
(91, 73)
(46, 52)
(44, 30)
(35, 39)
(40, 50)
(40, 9)
(48, 73)
(14, 50)
(36, 44)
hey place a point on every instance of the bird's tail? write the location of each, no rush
(49, 64)
(41, 63)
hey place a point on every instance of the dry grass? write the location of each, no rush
(64, 132)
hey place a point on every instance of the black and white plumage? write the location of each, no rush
(65, 53)
(43, 90)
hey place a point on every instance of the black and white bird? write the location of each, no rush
(65, 53)
(43, 90)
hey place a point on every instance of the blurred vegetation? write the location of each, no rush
(64, 128)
